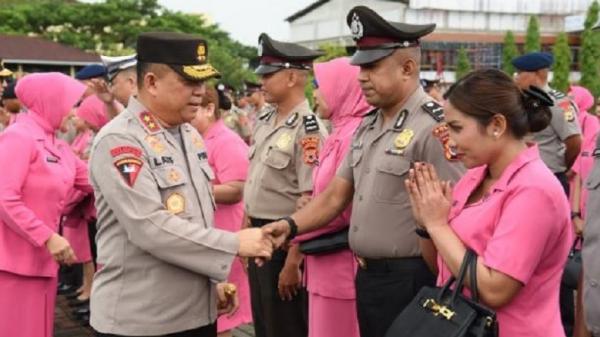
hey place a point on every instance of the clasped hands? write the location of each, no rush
(260, 243)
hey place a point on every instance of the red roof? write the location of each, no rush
(37, 50)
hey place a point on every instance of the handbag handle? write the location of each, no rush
(473, 278)
(459, 281)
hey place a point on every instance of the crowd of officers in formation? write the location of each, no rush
(194, 211)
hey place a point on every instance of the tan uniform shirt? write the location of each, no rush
(564, 124)
(237, 120)
(591, 248)
(159, 252)
(382, 224)
(281, 161)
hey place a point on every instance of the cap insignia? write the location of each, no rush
(201, 53)
(356, 27)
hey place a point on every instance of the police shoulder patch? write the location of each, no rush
(129, 168)
(557, 94)
(310, 123)
(435, 110)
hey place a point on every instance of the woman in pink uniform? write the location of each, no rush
(582, 169)
(228, 158)
(90, 116)
(37, 174)
(330, 277)
(508, 208)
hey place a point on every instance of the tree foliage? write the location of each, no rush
(463, 65)
(532, 39)
(562, 63)
(111, 27)
(590, 51)
(509, 52)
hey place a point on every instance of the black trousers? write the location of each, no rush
(384, 287)
(205, 331)
(273, 317)
(567, 298)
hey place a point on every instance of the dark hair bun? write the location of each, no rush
(224, 101)
(537, 103)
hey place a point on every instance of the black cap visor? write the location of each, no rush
(365, 56)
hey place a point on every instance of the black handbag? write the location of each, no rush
(326, 243)
(443, 312)
(573, 267)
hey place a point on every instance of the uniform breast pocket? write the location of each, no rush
(277, 159)
(171, 183)
(389, 181)
(356, 157)
(251, 152)
(208, 172)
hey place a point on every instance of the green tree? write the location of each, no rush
(463, 65)
(532, 39)
(590, 51)
(562, 63)
(111, 27)
(331, 51)
(509, 52)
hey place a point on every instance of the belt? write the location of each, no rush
(390, 264)
(260, 222)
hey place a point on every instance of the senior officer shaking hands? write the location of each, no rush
(160, 257)
(405, 128)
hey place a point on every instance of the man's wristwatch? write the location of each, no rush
(422, 233)
(293, 227)
(575, 215)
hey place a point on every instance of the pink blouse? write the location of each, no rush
(522, 229)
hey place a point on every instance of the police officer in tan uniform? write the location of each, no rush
(406, 127)
(233, 117)
(285, 147)
(559, 143)
(160, 258)
(121, 76)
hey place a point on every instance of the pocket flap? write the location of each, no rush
(169, 176)
(395, 167)
(277, 159)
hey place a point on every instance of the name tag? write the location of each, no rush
(159, 161)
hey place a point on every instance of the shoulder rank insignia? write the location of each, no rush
(557, 94)
(441, 133)
(568, 110)
(129, 168)
(310, 149)
(435, 110)
(310, 123)
(149, 122)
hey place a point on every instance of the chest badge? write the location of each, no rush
(284, 141)
(156, 144)
(198, 143)
(404, 138)
(175, 203)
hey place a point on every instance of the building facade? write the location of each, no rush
(478, 26)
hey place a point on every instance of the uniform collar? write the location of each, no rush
(402, 115)
(294, 117)
(526, 156)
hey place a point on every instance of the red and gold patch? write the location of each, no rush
(149, 121)
(442, 134)
(129, 168)
(568, 110)
(310, 149)
(120, 150)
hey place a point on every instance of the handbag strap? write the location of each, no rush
(473, 278)
(460, 279)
